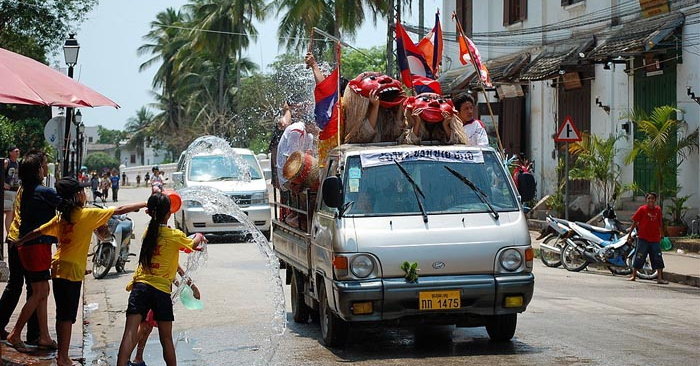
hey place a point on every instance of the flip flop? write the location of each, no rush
(19, 346)
(51, 346)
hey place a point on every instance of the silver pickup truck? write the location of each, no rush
(405, 235)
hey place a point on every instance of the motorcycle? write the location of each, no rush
(558, 230)
(112, 245)
(597, 245)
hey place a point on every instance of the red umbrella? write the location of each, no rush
(27, 81)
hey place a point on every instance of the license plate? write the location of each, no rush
(439, 300)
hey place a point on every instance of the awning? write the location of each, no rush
(556, 56)
(638, 36)
(502, 69)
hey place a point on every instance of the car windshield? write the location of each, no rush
(382, 190)
(209, 168)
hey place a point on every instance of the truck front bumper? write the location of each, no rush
(395, 299)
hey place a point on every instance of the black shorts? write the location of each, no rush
(67, 296)
(37, 276)
(145, 297)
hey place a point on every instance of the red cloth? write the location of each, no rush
(35, 257)
(648, 223)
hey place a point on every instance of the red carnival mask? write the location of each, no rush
(430, 106)
(389, 89)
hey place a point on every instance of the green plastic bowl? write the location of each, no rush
(666, 243)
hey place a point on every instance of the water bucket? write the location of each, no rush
(175, 200)
(189, 301)
(302, 169)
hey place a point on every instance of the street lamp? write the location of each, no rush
(77, 119)
(70, 52)
(81, 144)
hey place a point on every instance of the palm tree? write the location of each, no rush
(595, 162)
(166, 40)
(332, 16)
(664, 143)
(222, 31)
(141, 130)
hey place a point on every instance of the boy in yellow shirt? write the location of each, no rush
(73, 227)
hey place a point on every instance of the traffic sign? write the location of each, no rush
(567, 131)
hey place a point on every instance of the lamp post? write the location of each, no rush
(70, 53)
(77, 120)
(81, 144)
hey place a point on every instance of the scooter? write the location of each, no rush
(112, 245)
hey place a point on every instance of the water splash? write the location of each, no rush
(216, 145)
(214, 201)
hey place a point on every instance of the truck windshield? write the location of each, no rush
(383, 191)
(209, 168)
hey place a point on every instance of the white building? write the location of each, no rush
(593, 60)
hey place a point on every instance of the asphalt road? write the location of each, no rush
(588, 318)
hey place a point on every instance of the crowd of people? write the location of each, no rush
(41, 218)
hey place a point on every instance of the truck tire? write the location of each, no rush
(501, 328)
(300, 312)
(334, 331)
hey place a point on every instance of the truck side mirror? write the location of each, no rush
(332, 192)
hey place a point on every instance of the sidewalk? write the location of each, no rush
(9, 356)
(680, 268)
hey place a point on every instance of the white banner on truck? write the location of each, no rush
(444, 156)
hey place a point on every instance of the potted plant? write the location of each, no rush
(676, 210)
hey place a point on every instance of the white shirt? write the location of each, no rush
(476, 133)
(294, 138)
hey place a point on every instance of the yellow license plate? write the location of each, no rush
(439, 300)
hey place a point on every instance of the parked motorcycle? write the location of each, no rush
(112, 245)
(597, 245)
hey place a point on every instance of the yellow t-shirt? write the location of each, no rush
(13, 233)
(70, 259)
(165, 260)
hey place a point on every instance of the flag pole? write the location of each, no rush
(483, 88)
(340, 97)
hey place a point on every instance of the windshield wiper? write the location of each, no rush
(479, 193)
(416, 190)
(223, 178)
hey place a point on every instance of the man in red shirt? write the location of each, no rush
(648, 220)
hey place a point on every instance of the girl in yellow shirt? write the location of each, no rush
(151, 285)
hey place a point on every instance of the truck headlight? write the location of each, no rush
(259, 198)
(361, 266)
(511, 259)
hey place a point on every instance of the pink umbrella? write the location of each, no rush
(27, 81)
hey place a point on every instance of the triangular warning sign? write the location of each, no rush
(567, 131)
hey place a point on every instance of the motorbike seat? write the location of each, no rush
(594, 228)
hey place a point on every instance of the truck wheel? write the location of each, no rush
(501, 328)
(334, 330)
(300, 312)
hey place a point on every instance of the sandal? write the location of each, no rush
(19, 346)
(51, 346)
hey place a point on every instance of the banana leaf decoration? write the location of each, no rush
(410, 271)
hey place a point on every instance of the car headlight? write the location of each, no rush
(361, 266)
(258, 198)
(511, 259)
(192, 204)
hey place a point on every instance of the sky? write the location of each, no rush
(114, 29)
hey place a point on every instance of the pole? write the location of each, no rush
(495, 123)
(66, 139)
(2, 205)
(390, 40)
(340, 97)
(421, 21)
(566, 182)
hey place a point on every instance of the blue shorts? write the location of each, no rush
(653, 249)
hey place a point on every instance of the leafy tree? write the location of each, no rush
(107, 136)
(664, 143)
(34, 27)
(355, 62)
(26, 134)
(98, 161)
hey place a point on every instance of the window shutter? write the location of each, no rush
(523, 9)
(506, 12)
(564, 2)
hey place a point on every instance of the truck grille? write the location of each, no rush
(242, 200)
(223, 219)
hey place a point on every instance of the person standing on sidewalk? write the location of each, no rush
(115, 185)
(648, 220)
(37, 207)
(11, 170)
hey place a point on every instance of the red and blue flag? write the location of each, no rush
(410, 59)
(326, 109)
